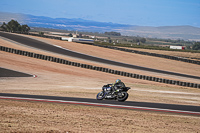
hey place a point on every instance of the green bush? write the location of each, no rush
(14, 26)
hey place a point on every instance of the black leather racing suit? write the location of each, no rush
(116, 86)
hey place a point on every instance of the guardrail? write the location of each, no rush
(96, 68)
(151, 54)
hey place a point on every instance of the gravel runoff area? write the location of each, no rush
(61, 80)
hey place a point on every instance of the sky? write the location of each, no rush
(133, 12)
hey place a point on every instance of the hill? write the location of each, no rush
(172, 32)
(167, 32)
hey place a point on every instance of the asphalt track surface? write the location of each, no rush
(10, 73)
(181, 109)
(47, 47)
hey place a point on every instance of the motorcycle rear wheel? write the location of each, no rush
(122, 97)
(100, 95)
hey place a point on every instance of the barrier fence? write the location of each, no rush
(96, 68)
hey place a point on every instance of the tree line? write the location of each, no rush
(112, 33)
(135, 39)
(196, 46)
(14, 26)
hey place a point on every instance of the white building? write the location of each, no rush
(79, 40)
(177, 47)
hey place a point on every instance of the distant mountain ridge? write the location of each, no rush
(60, 23)
(166, 32)
(77, 24)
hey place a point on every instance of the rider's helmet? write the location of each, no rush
(118, 81)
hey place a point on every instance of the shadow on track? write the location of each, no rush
(11, 73)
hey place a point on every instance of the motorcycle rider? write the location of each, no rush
(117, 85)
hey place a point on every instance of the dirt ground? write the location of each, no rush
(22, 116)
(63, 80)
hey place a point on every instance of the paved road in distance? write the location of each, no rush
(44, 46)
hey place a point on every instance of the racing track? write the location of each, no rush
(10, 73)
(44, 46)
(183, 109)
(172, 108)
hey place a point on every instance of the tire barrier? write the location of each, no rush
(126, 50)
(96, 68)
(151, 54)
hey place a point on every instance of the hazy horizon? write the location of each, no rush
(142, 13)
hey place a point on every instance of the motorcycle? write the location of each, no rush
(119, 94)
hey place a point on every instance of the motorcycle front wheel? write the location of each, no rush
(100, 95)
(122, 96)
